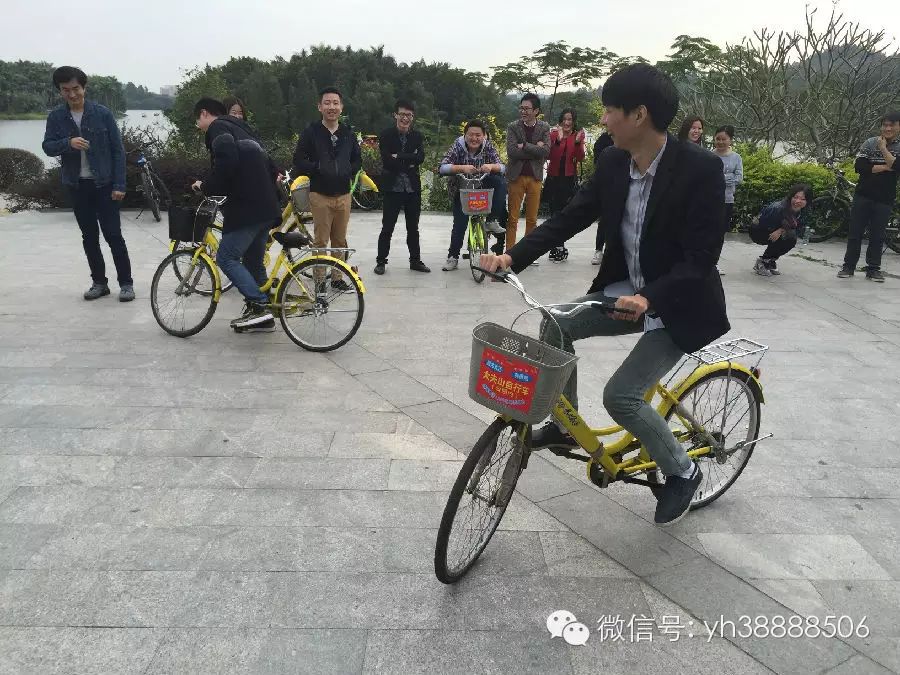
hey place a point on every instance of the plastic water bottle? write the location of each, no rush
(807, 233)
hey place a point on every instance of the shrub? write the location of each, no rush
(19, 166)
(46, 191)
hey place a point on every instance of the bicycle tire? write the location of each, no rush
(827, 216)
(165, 197)
(296, 304)
(166, 309)
(151, 197)
(892, 235)
(480, 458)
(365, 198)
(708, 463)
(475, 250)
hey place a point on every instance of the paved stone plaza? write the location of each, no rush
(232, 503)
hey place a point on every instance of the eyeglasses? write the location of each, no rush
(525, 108)
(405, 116)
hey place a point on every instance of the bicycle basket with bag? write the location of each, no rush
(189, 221)
(300, 194)
(476, 202)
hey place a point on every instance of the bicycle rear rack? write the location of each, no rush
(730, 350)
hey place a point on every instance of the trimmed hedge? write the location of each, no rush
(19, 166)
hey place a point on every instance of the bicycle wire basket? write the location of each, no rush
(476, 202)
(189, 223)
(515, 374)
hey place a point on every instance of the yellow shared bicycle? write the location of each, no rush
(713, 411)
(317, 313)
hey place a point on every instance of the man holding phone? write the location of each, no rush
(86, 137)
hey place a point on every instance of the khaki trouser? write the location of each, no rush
(526, 188)
(331, 215)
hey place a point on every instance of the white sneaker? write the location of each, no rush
(494, 227)
(451, 264)
(598, 256)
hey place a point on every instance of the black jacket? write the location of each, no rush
(681, 238)
(603, 142)
(330, 166)
(407, 162)
(243, 172)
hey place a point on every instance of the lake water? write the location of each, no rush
(29, 134)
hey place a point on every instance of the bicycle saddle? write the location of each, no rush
(291, 239)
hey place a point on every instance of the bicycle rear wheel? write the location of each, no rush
(479, 497)
(827, 217)
(314, 314)
(727, 406)
(892, 235)
(476, 245)
(151, 195)
(179, 307)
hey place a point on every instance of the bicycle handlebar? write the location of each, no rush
(512, 279)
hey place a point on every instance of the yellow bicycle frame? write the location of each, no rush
(199, 252)
(589, 439)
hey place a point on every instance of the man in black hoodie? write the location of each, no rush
(243, 172)
(329, 154)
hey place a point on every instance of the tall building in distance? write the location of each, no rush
(168, 90)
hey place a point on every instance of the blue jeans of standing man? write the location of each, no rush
(460, 219)
(240, 256)
(96, 211)
(623, 397)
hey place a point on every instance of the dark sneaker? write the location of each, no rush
(419, 266)
(258, 314)
(845, 273)
(675, 498)
(379, 268)
(340, 285)
(247, 309)
(551, 436)
(875, 275)
(264, 327)
(126, 293)
(772, 266)
(559, 254)
(96, 291)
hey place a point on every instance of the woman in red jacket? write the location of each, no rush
(566, 151)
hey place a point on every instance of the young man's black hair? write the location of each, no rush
(65, 74)
(405, 104)
(210, 105)
(532, 99)
(331, 90)
(893, 117)
(476, 123)
(641, 84)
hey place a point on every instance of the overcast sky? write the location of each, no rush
(152, 42)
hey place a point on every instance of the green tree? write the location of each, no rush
(199, 83)
(554, 66)
(690, 56)
(107, 90)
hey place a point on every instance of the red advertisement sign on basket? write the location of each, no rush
(507, 380)
(478, 201)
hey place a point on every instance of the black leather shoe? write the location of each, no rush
(379, 268)
(418, 266)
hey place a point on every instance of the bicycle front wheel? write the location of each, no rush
(151, 195)
(892, 235)
(179, 305)
(727, 405)
(477, 246)
(364, 197)
(215, 230)
(478, 500)
(317, 312)
(827, 217)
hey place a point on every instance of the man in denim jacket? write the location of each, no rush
(86, 138)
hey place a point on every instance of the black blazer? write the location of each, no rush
(406, 162)
(680, 242)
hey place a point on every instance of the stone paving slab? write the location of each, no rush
(232, 503)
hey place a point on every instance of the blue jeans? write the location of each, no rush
(96, 211)
(460, 219)
(240, 256)
(623, 396)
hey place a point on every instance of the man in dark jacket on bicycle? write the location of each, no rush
(243, 172)
(660, 204)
